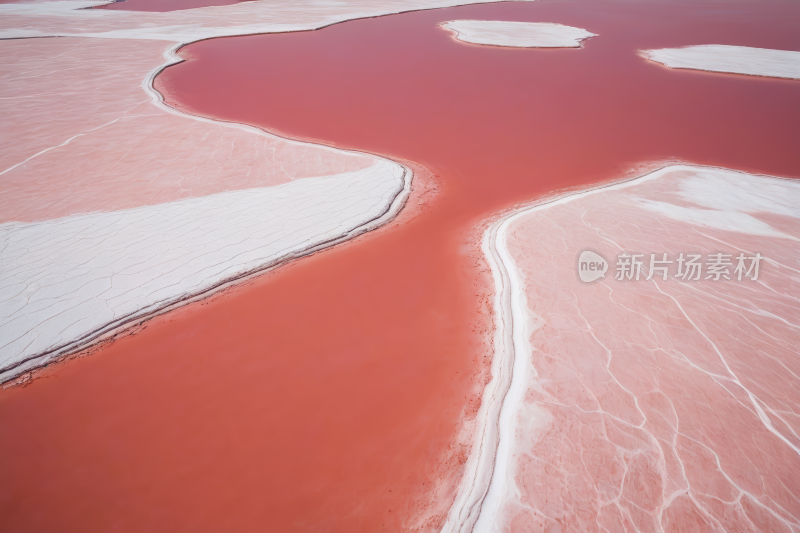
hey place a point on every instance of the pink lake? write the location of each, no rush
(330, 395)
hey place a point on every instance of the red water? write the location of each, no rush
(324, 397)
(162, 6)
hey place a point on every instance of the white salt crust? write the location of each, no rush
(732, 59)
(66, 282)
(488, 476)
(71, 18)
(517, 34)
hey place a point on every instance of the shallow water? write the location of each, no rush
(325, 396)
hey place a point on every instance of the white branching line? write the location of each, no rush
(479, 497)
(9, 169)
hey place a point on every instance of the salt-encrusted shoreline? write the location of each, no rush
(237, 262)
(488, 456)
(15, 364)
(477, 506)
(745, 60)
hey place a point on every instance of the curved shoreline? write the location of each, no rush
(18, 370)
(477, 503)
(478, 494)
(199, 33)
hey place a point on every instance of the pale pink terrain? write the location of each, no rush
(88, 134)
(643, 405)
(87, 138)
(656, 405)
(66, 18)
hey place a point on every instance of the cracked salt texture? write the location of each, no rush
(518, 34)
(646, 405)
(733, 59)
